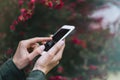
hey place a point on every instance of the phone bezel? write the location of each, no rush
(68, 27)
(71, 28)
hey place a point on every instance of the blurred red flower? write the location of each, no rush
(60, 69)
(20, 2)
(9, 51)
(22, 33)
(57, 78)
(77, 41)
(93, 67)
(32, 1)
(23, 10)
(28, 12)
(50, 4)
(12, 28)
(60, 5)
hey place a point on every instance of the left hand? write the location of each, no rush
(22, 55)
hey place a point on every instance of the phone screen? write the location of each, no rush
(56, 37)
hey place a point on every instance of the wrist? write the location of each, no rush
(16, 64)
(40, 69)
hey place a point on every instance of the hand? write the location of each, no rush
(50, 59)
(22, 55)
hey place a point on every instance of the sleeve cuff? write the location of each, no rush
(9, 70)
(36, 75)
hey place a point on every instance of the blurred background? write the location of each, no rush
(92, 50)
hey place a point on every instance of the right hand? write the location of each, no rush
(22, 55)
(50, 59)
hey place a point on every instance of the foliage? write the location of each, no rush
(84, 56)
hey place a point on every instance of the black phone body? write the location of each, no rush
(61, 34)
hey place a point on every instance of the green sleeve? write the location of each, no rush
(36, 75)
(8, 71)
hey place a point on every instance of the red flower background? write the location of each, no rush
(85, 49)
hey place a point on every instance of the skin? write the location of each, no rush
(51, 58)
(22, 55)
(46, 61)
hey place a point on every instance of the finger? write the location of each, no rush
(44, 42)
(51, 35)
(38, 39)
(56, 48)
(36, 52)
(35, 45)
(58, 56)
(32, 47)
(44, 52)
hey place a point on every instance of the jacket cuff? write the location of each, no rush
(36, 75)
(9, 70)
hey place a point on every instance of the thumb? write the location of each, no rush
(36, 52)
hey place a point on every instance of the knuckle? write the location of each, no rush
(37, 44)
(28, 58)
(51, 55)
(38, 51)
(64, 44)
(57, 47)
(22, 42)
(60, 57)
(36, 37)
(57, 62)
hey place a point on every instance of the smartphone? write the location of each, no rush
(61, 34)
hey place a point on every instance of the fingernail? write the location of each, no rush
(42, 47)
